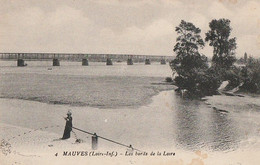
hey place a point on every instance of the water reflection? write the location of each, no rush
(188, 124)
(198, 126)
(223, 130)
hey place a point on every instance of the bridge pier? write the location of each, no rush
(109, 61)
(147, 61)
(55, 62)
(20, 62)
(84, 62)
(130, 61)
(163, 61)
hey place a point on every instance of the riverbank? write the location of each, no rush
(233, 103)
(148, 128)
(123, 103)
(96, 85)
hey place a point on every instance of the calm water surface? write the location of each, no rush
(194, 124)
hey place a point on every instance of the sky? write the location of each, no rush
(144, 27)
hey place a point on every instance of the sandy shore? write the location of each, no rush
(32, 129)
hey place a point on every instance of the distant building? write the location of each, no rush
(245, 57)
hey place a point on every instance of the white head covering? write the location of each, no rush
(69, 113)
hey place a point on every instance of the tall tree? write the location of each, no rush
(189, 64)
(223, 46)
(187, 47)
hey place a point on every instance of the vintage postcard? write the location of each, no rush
(130, 82)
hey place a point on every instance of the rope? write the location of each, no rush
(76, 137)
(94, 134)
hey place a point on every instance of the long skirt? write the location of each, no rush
(67, 131)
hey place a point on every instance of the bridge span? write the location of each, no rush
(84, 58)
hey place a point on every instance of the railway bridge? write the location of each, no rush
(84, 58)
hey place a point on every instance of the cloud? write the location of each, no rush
(119, 26)
(245, 44)
(34, 30)
(246, 28)
(218, 10)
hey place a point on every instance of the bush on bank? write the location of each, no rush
(197, 83)
(205, 82)
(195, 77)
(250, 76)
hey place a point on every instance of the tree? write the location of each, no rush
(250, 75)
(186, 48)
(223, 46)
(189, 64)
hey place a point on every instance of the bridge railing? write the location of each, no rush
(85, 58)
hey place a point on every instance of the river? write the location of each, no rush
(129, 103)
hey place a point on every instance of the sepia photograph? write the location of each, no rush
(131, 82)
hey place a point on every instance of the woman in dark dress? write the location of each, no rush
(68, 126)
